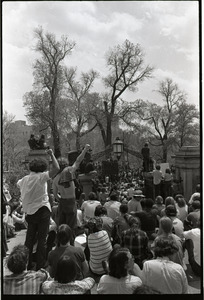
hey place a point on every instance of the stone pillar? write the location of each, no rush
(86, 181)
(38, 154)
(187, 165)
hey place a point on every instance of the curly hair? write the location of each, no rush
(18, 259)
(165, 247)
(38, 165)
(117, 261)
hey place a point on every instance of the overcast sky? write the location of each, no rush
(168, 32)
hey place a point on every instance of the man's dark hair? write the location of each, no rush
(123, 208)
(66, 270)
(100, 210)
(38, 165)
(64, 234)
(117, 261)
(196, 204)
(18, 259)
(158, 167)
(114, 197)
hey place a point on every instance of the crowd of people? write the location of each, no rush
(133, 244)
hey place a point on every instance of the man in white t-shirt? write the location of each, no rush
(157, 178)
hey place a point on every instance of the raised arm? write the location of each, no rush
(55, 166)
(81, 156)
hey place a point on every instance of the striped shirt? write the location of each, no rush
(100, 247)
(28, 282)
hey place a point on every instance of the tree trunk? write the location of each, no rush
(56, 141)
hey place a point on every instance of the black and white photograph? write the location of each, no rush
(101, 148)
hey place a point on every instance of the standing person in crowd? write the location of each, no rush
(113, 206)
(146, 157)
(136, 241)
(103, 195)
(120, 278)
(98, 245)
(88, 207)
(120, 223)
(192, 244)
(36, 205)
(65, 282)
(101, 211)
(64, 190)
(64, 235)
(168, 181)
(21, 281)
(157, 178)
(134, 203)
(161, 273)
(130, 191)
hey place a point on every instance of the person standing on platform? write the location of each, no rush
(64, 190)
(146, 157)
(157, 178)
(36, 205)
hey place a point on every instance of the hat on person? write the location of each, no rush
(170, 211)
(138, 193)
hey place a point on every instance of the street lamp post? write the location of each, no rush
(118, 148)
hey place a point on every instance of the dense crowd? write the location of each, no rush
(116, 239)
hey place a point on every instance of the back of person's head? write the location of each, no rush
(170, 211)
(118, 260)
(94, 224)
(158, 167)
(149, 203)
(100, 210)
(145, 289)
(103, 189)
(168, 171)
(195, 204)
(64, 234)
(63, 163)
(169, 200)
(178, 196)
(38, 165)
(166, 224)
(146, 144)
(123, 208)
(66, 270)
(164, 247)
(18, 259)
(113, 197)
(134, 221)
(181, 202)
(159, 200)
(92, 196)
(198, 188)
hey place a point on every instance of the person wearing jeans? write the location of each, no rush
(36, 205)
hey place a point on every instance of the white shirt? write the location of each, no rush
(157, 176)
(33, 188)
(194, 235)
(112, 208)
(88, 208)
(165, 276)
(111, 285)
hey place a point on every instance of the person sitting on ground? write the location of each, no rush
(148, 218)
(165, 230)
(88, 207)
(192, 244)
(174, 281)
(65, 282)
(120, 278)
(159, 206)
(103, 195)
(119, 224)
(113, 206)
(101, 211)
(181, 207)
(168, 201)
(97, 236)
(64, 235)
(134, 203)
(195, 195)
(193, 217)
(178, 227)
(145, 289)
(18, 216)
(136, 241)
(21, 281)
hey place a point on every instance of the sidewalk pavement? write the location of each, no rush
(194, 282)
